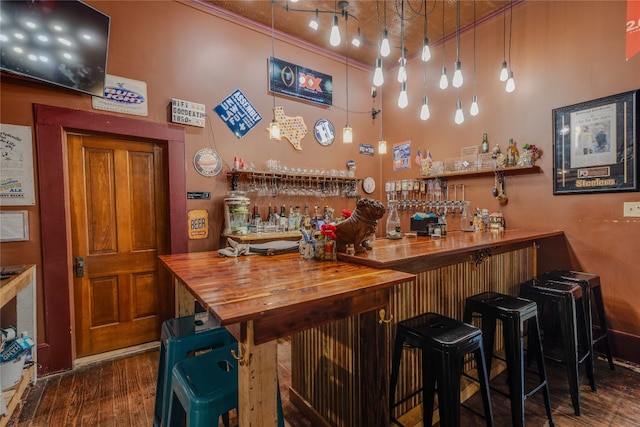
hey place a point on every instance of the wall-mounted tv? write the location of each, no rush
(61, 42)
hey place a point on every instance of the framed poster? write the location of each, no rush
(16, 166)
(595, 146)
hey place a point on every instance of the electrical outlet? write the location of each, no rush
(632, 209)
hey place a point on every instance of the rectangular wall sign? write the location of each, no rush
(122, 95)
(187, 112)
(16, 166)
(298, 82)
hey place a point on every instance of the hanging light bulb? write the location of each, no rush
(474, 110)
(378, 77)
(424, 111)
(511, 84)
(382, 147)
(444, 81)
(314, 22)
(504, 72)
(426, 51)
(334, 39)
(459, 118)
(356, 40)
(403, 101)
(274, 130)
(385, 49)
(402, 70)
(347, 134)
(457, 75)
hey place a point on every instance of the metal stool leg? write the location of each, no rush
(483, 377)
(602, 322)
(536, 348)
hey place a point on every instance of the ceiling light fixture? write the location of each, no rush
(314, 22)
(403, 100)
(347, 132)
(424, 111)
(504, 72)
(444, 81)
(511, 84)
(382, 144)
(475, 109)
(457, 75)
(357, 40)
(426, 51)
(378, 76)
(459, 117)
(334, 38)
(385, 49)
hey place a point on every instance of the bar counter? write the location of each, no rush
(448, 269)
(341, 315)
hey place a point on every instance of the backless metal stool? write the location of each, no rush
(444, 342)
(181, 338)
(513, 312)
(591, 288)
(562, 301)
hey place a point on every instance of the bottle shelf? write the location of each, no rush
(517, 170)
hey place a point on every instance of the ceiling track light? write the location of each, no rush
(382, 144)
(511, 84)
(347, 132)
(378, 76)
(444, 81)
(274, 126)
(424, 111)
(457, 74)
(314, 22)
(334, 38)
(474, 109)
(403, 100)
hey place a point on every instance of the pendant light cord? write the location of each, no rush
(510, 30)
(273, 52)
(443, 43)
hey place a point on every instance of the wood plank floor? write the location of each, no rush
(120, 392)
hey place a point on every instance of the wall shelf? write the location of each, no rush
(520, 170)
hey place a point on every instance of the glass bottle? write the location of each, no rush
(466, 217)
(394, 230)
(512, 154)
(485, 143)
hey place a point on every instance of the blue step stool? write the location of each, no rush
(205, 387)
(181, 338)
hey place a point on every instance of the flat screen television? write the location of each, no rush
(61, 42)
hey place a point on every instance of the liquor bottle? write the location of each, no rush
(284, 222)
(306, 218)
(270, 218)
(512, 154)
(292, 226)
(255, 220)
(485, 143)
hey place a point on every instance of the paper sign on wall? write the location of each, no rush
(16, 166)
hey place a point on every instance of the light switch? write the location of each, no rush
(631, 209)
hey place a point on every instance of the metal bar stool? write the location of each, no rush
(205, 387)
(562, 301)
(180, 339)
(444, 342)
(591, 288)
(513, 312)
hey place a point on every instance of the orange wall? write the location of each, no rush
(186, 52)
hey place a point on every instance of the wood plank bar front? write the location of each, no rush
(262, 298)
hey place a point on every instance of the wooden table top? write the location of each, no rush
(250, 287)
(433, 251)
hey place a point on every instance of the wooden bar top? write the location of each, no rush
(252, 287)
(421, 253)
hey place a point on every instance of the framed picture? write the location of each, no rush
(595, 145)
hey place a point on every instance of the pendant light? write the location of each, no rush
(403, 100)
(378, 76)
(444, 81)
(457, 75)
(385, 49)
(511, 84)
(334, 38)
(474, 109)
(426, 50)
(424, 111)
(459, 117)
(504, 72)
(274, 126)
(314, 22)
(402, 70)
(347, 132)
(382, 144)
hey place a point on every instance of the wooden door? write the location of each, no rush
(118, 213)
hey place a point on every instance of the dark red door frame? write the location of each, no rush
(51, 123)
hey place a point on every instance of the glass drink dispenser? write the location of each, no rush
(236, 214)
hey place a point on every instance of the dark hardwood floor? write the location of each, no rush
(120, 392)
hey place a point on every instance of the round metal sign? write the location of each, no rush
(324, 132)
(207, 162)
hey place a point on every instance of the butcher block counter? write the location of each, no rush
(260, 298)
